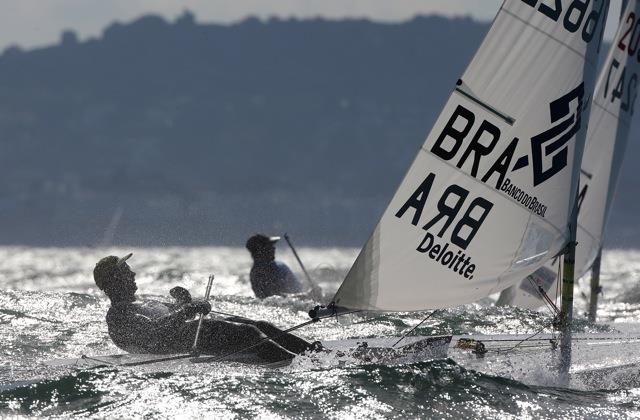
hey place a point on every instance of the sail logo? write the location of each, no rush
(553, 142)
(474, 148)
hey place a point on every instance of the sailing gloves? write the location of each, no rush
(191, 307)
(181, 295)
(197, 306)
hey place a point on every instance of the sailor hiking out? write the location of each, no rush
(150, 326)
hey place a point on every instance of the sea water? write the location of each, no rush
(51, 309)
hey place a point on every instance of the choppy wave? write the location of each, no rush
(439, 389)
(50, 309)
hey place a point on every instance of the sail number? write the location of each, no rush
(619, 86)
(630, 45)
(575, 15)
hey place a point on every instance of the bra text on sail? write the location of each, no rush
(548, 149)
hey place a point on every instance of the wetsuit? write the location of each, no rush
(273, 278)
(156, 327)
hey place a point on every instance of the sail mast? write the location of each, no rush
(566, 311)
(595, 268)
(595, 287)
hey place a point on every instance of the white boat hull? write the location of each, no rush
(601, 361)
(376, 350)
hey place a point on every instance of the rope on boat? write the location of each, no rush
(412, 329)
(94, 359)
(491, 340)
(523, 340)
(225, 314)
(549, 303)
(139, 363)
(544, 297)
(213, 359)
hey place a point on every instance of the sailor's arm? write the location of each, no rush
(181, 314)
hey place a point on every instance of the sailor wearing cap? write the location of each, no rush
(270, 277)
(150, 326)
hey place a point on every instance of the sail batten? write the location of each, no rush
(487, 199)
(509, 120)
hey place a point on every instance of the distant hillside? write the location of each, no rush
(203, 134)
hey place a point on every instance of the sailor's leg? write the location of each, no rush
(268, 350)
(289, 341)
(240, 320)
(219, 337)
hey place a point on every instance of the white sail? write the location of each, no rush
(487, 199)
(610, 117)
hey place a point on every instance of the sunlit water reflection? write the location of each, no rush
(50, 308)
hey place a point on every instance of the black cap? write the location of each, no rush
(259, 241)
(103, 271)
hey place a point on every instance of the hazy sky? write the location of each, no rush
(30, 23)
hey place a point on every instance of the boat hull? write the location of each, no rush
(377, 350)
